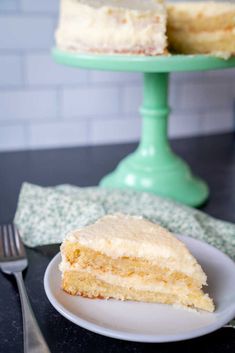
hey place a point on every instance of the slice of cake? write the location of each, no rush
(112, 26)
(202, 28)
(130, 258)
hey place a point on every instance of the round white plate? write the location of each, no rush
(147, 322)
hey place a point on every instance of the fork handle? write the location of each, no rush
(34, 341)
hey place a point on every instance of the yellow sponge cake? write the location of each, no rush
(130, 258)
(202, 28)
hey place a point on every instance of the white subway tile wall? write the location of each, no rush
(10, 70)
(58, 133)
(115, 130)
(9, 5)
(90, 102)
(43, 104)
(30, 105)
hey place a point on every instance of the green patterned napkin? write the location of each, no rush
(45, 214)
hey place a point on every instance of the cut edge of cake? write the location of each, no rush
(201, 28)
(113, 258)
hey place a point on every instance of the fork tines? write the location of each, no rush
(10, 242)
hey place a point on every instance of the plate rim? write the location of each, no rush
(134, 337)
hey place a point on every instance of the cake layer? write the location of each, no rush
(77, 257)
(202, 28)
(87, 285)
(110, 26)
(142, 282)
(201, 16)
(134, 237)
(219, 43)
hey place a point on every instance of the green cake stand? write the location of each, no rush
(153, 167)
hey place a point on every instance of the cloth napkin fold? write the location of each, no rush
(45, 214)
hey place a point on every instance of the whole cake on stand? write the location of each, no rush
(99, 35)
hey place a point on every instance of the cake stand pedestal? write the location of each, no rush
(153, 167)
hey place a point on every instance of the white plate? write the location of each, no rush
(147, 322)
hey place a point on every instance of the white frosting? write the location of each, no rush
(121, 235)
(112, 26)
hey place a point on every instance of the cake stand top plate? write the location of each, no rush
(140, 63)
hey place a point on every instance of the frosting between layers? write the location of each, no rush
(134, 281)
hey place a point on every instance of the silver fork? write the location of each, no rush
(13, 261)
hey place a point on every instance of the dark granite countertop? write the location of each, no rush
(213, 158)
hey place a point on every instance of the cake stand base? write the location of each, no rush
(174, 180)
